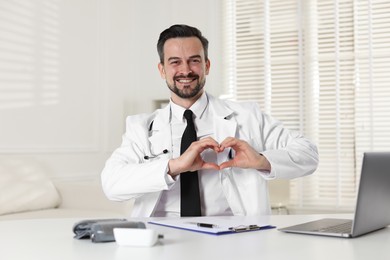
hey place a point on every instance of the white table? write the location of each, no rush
(52, 239)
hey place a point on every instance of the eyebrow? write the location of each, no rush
(191, 57)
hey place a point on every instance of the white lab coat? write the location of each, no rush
(127, 175)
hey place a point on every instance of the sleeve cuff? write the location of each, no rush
(168, 178)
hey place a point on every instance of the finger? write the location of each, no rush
(210, 166)
(228, 142)
(204, 144)
(226, 164)
(215, 145)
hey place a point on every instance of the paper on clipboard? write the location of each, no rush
(221, 225)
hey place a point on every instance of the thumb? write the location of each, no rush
(210, 166)
(226, 164)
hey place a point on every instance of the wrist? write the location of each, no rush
(173, 168)
(264, 164)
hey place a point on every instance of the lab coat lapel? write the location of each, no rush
(224, 125)
(224, 128)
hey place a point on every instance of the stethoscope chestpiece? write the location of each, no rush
(151, 156)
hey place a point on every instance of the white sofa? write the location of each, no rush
(76, 199)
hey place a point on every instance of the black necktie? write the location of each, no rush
(189, 184)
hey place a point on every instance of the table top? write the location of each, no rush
(53, 239)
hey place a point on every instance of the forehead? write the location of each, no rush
(183, 47)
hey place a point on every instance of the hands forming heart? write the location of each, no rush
(245, 156)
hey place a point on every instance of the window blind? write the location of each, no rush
(372, 75)
(320, 67)
(261, 51)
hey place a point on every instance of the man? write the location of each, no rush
(235, 148)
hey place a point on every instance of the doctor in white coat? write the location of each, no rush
(239, 148)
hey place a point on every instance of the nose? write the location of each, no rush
(185, 68)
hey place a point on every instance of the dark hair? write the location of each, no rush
(180, 31)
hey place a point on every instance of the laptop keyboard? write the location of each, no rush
(341, 228)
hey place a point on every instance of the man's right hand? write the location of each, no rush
(191, 160)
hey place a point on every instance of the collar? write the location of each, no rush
(198, 108)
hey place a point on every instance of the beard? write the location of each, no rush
(187, 92)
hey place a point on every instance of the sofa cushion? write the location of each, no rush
(63, 213)
(25, 187)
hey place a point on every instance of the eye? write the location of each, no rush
(174, 62)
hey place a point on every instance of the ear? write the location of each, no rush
(162, 70)
(207, 67)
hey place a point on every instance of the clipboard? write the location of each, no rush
(213, 225)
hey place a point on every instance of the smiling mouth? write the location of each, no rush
(185, 80)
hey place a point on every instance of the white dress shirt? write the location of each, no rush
(213, 201)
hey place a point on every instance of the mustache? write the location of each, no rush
(189, 75)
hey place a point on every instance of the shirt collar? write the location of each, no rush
(197, 108)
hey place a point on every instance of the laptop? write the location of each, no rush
(372, 210)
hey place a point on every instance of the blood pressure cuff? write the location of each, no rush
(102, 230)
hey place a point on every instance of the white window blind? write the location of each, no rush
(321, 67)
(372, 61)
(262, 51)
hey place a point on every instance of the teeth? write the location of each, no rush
(185, 80)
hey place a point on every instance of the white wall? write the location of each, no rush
(148, 19)
(70, 71)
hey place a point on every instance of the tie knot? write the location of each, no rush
(188, 115)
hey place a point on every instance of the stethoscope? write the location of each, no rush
(151, 156)
(165, 151)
